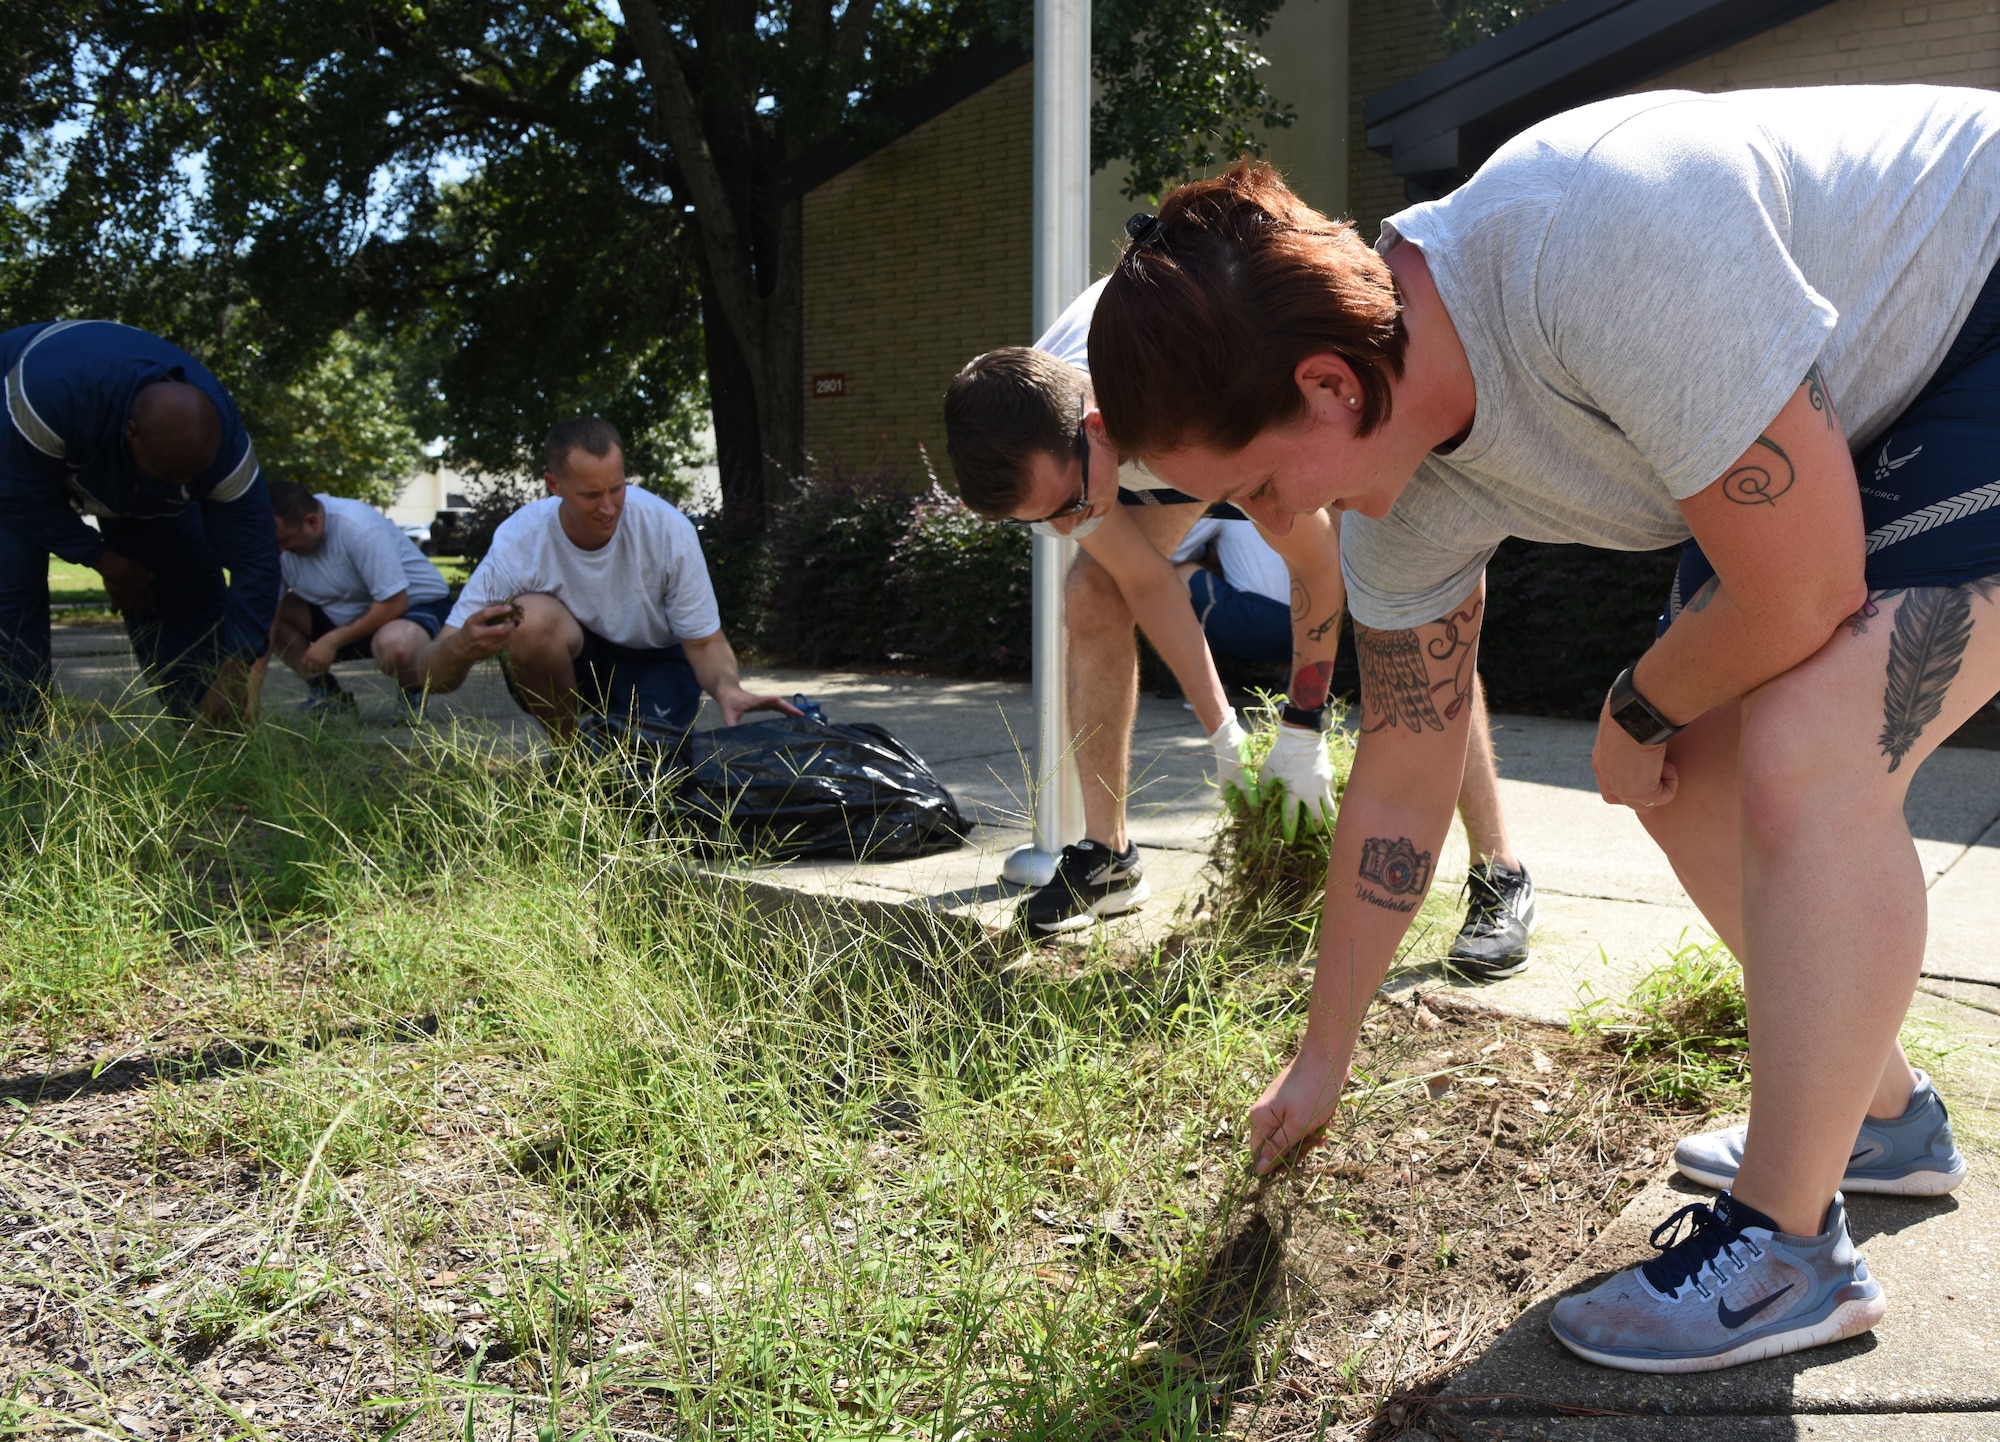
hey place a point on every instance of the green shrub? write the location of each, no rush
(961, 585)
(1563, 621)
(828, 601)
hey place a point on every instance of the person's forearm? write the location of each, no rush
(1393, 821)
(713, 661)
(1165, 614)
(1718, 650)
(380, 614)
(445, 663)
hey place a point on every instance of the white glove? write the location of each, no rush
(1228, 742)
(1298, 761)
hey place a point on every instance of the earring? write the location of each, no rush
(1354, 400)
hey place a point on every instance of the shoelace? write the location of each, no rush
(1682, 1259)
(1484, 901)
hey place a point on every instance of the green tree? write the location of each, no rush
(302, 157)
(336, 425)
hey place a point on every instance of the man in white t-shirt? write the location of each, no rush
(1763, 323)
(1028, 447)
(356, 589)
(596, 598)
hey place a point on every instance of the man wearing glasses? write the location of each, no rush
(1028, 448)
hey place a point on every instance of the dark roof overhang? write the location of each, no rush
(1439, 125)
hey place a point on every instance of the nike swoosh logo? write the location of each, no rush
(1733, 1320)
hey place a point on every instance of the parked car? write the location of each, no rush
(445, 535)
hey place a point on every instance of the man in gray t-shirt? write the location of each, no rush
(1766, 321)
(356, 589)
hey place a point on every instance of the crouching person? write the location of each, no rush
(356, 589)
(596, 598)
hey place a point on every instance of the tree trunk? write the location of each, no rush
(732, 405)
(781, 386)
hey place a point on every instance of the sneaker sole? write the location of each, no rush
(1115, 903)
(1920, 1183)
(1849, 1319)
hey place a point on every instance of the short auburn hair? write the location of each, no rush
(1197, 335)
(1000, 410)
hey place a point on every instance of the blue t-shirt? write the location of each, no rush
(70, 387)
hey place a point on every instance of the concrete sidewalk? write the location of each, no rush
(1610, 906)
(1611, 910)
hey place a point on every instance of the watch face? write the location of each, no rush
(1639, 723)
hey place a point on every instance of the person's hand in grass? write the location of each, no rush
(1294, 1110)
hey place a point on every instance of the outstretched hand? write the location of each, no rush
(1295, 1108)
(738, 703)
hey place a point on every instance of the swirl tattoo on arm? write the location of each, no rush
(1816, 396)
(1760, 481)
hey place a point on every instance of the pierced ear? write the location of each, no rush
(1327, 380)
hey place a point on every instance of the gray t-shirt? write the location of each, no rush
(1642, 284)
(364, 558)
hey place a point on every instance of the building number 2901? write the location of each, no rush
(826, 387)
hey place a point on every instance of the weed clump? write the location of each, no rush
(1683, 1031)
(1262, 871)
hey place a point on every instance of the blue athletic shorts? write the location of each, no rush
(1242, 624)
(627, 683)
(1930, 486)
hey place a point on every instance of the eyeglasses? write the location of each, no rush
(1082, 501)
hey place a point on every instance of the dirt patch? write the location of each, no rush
(152, 1290)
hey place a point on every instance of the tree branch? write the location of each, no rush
(722, 242)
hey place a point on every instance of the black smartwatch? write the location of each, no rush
(1313, 720)
(1636, 715)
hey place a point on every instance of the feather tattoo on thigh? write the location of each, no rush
(1932, 627)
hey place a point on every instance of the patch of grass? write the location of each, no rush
(1683, 1029)
(1260, 868)
(71, 584)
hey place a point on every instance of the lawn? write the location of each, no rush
(73, 585)
(363, 1093)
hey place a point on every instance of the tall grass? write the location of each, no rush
(794, 1178)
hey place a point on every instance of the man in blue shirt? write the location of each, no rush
(113, 423)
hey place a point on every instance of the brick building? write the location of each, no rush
(918, 247)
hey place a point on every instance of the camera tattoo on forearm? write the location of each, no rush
(1398, 868)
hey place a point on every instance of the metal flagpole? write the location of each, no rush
(1062, 269)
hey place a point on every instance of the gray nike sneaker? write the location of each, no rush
(1912, 1156)
(1735, 1289)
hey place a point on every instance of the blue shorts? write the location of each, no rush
(1930, 486)
(428, 614)
(628, 683)
(1243, 624)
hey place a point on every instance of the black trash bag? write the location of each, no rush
(787, 787)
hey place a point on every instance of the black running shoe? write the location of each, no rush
(1499, 916)
(1091, 881)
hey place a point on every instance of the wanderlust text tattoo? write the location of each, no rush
(1375, 898)
(1925, 651)
(1309, 685)
(1816, 396)
(1318, 633)
(1760, 480)
(1396, 866)
(1301, 601)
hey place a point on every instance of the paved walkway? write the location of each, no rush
(1610, 910)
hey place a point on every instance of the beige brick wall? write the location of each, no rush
(1387, 40)
(1859, 42)
(916, 260)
